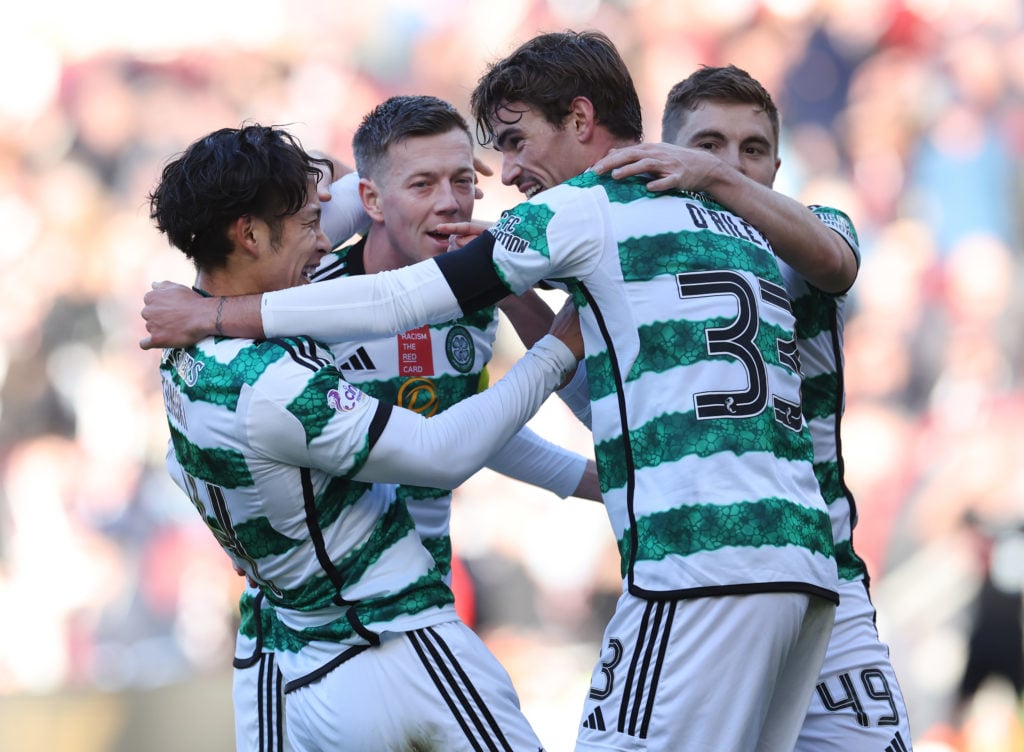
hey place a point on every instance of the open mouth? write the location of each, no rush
(532, 190)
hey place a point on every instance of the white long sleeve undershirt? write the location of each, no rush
(416, 450)
(363, 306)
(533, 459)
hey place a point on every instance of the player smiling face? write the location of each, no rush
(535, 154)
(427, 180)
(294, 251)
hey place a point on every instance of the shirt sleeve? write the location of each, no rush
(442, 451)
(533, 459)
(313, 419)
(559, 234)
(363, 306)
(576, 395)
(839, 222)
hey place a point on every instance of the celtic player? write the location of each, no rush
(289, 466)
(414, 155)
(729, 125)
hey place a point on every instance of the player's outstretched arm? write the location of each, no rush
(532, 459)
(799, 238)
(443, 450)
(178, 316)
(368, 305)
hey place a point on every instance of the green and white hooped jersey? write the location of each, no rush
(704, 456)
(427, 370)
(265, 439)
(820, 318)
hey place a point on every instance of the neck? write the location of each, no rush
(224, 282)
(378, 253)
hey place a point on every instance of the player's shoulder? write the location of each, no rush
(835, 218)
(839, 221)
(623, 190)
(301, 352)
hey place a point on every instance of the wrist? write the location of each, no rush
(218, 320)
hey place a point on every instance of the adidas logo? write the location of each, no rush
(595, 720)
(897, 744)
(360, 361)
(330, 269)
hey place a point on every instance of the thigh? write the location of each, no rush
(856, 705)
(696, 674)
(433, 688)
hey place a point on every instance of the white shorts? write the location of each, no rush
(437, 688)
(257, 693)
(724, 673)
(857, 705)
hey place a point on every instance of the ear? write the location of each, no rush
(370, 195)
(581, 119)
(244, 234)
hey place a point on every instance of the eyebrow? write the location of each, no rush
(707, 133)
(500, 139)
(436, 173)
(715, 133)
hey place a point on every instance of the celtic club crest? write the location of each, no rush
(460, 349)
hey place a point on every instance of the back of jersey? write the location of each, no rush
(704, 456)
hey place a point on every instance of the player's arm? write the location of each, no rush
(533, 459)
(820, 255)
(376, 305)
(360, 307)
(343, 214)
(529, 315)
(435, 451)
(357, 435)
(576, 394)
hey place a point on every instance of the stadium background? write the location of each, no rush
(117, 609)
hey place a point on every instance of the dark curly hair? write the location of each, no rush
(551, 70)
(257, 170)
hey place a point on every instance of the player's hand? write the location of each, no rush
(483, 169)
(175, 316)
(673, 166)
(460, 233)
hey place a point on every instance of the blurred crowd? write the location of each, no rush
(906, 114)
